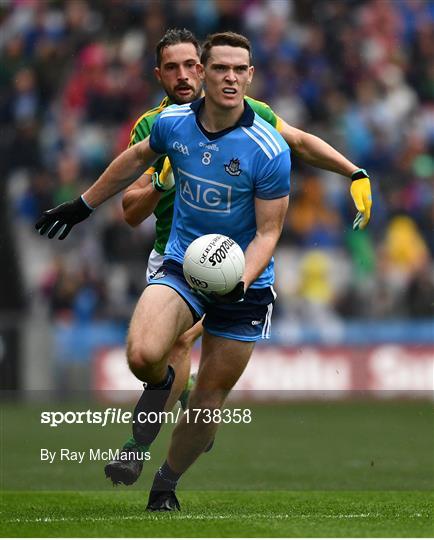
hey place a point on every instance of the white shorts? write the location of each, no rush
(154, 262)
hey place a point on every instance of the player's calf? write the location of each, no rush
(126, 470)
(147, 422)
(147, 418)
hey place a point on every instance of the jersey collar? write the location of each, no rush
(246, 119)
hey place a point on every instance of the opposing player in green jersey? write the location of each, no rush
(177, 55)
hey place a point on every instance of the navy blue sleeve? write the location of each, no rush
(274, 178)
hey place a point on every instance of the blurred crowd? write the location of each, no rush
(76, 74)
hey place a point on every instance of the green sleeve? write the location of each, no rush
(141, 130)
(265, 112)
(164, 209)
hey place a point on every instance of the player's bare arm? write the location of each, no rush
(316, 151)
(142, 197)
(139, 200)
(270, 215)
(120, 173)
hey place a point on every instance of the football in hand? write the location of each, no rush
(213, 263)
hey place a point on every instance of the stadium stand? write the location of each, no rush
(74, 76)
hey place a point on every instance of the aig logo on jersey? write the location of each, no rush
(183, 148)
(203, 194)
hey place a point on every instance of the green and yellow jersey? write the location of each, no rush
(164, 209)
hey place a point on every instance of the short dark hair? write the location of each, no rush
(224, 38)
(173, 36)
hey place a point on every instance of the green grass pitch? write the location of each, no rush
(221, 514)
(300, 469)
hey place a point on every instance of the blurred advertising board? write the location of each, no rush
(305, 372)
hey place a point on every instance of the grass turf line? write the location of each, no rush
(222, 514)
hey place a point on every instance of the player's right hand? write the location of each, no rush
(236, 295)
(164, 180)
(233, 297)
(62, 218)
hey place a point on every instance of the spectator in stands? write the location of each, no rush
(73, 75)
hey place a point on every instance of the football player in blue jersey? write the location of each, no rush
(177, 54)
(250, 177)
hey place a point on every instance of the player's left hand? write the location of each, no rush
(236, 295)
(361, 193)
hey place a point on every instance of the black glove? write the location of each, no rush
(64, 216)
(236, 295)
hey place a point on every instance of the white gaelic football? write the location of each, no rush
(213, 263)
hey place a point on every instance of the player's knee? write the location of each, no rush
(140, 357)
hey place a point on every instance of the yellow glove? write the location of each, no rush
(164, 181)
(361, 193)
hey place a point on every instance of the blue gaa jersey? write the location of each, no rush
(219, 175)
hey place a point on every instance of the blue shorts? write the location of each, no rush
(248, 320)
